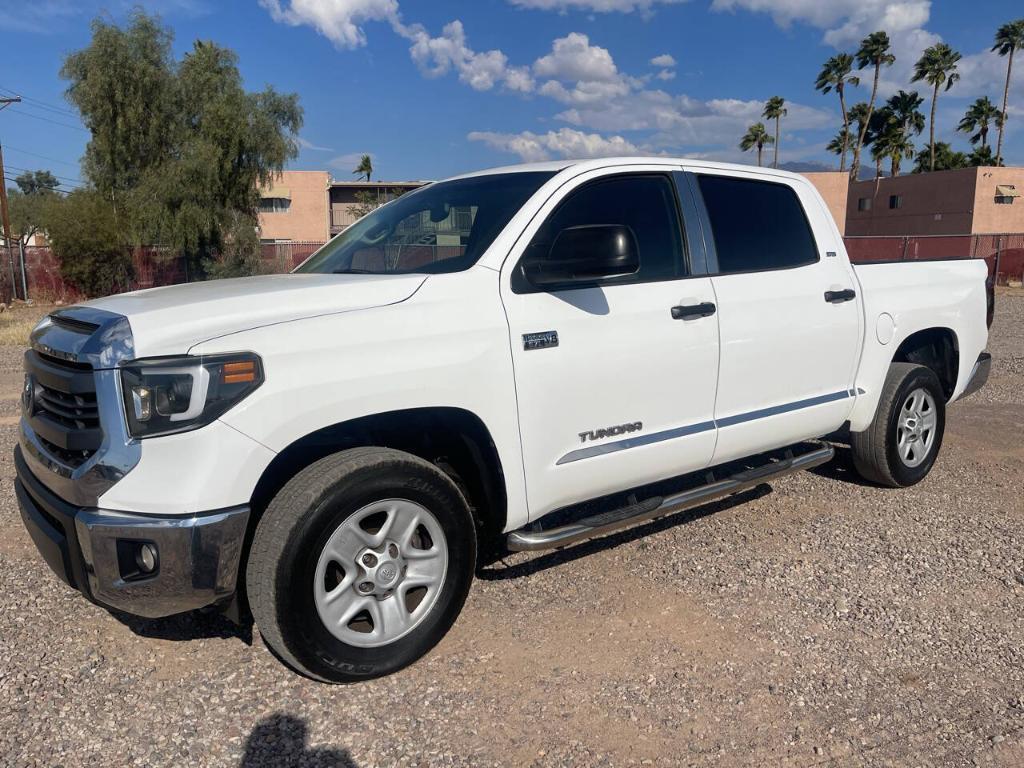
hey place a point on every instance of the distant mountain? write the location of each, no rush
(806, 166)
(810, 166)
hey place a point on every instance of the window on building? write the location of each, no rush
(895, 201)
(864, 204)
(1005, 194)
(757, 225)
(274, 204)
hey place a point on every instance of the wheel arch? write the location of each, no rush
(454, 439)
(936, 348)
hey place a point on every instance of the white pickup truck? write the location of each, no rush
(518, 359)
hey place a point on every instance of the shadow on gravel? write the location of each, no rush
(196, 625)
(841, 467)
(500, 571)
(279, 740)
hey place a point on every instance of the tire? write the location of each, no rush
(899, 447)
(307, 566)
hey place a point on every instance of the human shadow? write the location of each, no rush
(499, 570)
(280, 740)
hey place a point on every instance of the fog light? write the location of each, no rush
(145, 558)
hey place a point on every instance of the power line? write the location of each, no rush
(52, 189)
(40, 103)
(57, 175)
(48, 120)
(42, 157)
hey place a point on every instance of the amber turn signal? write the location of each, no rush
(243, 372)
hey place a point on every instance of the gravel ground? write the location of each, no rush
(812, 621)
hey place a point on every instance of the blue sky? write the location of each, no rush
(431, 89)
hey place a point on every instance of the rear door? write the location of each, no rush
(789, 317)
(613, 391)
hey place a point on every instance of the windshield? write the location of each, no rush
(443, 227)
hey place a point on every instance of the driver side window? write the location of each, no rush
(644, 203)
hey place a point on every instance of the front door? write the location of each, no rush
(626, 393)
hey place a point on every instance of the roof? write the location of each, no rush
(382, 184)
(603, 162)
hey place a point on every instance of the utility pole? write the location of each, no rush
(4, 215)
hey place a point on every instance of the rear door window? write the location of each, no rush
(757, 225)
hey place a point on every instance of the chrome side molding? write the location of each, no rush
(524, 540)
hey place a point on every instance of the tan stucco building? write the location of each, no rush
(834, 187)
(961, 202)
(307, 206)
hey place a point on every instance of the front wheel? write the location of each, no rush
(361, 564)
(901, 444)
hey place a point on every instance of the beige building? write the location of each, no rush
(307, 206)
(961, 202)
(294, 208)
(834, 186)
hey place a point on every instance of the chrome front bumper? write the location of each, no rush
(93, 550)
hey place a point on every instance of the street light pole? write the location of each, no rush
(4, 214)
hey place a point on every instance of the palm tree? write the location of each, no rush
(860, 128)
(979, 116)
(836, 74)
(1009, 38)
(775, 109)
(905, 109)
(873, 52)
(756, 136)
(365, 167)
(937, 66)
(839, 146)
(892, 144)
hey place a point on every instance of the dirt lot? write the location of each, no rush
(813, 621)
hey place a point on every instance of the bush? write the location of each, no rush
(86, 238)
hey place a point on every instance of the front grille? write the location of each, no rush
(63, 411)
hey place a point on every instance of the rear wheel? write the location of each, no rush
(361, 564)
(901, 444)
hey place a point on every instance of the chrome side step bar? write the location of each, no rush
(524, 540)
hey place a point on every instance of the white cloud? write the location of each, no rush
(436, 56)
(666, 74)
(309, 145)
(665, 60)
(573, 58)
(563, 143)
(594, 6)
(348, 161)
(340, 21)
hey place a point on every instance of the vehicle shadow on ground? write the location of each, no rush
(197, 625)
(841, 467)
(500, 570)
(280, 740)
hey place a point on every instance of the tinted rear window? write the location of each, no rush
(757, 225)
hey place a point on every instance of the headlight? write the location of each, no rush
(167, 395)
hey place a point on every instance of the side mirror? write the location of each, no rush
(585, 254)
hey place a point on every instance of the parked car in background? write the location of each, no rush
(520, 358)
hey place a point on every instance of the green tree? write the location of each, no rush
(874, 52)
(905, 110)
(982, 156)
(979, 116)
(365, 167)
(891, 142)
(775, 109)
(368, 200)
(940, 157)
(123, 85)
(937, 67)
(756, 136)
(29, 204)
(181, 150)
(836, 75)
(1009, 39)
(87, 239)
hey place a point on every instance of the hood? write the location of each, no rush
(172, 319)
